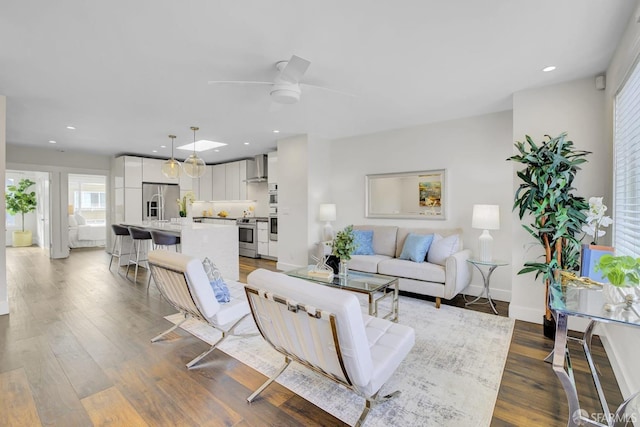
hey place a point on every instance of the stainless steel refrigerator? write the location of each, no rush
(159, 201)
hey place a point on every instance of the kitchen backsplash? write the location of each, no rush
(257, 205)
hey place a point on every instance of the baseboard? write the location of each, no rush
(4, 307)
(613, 353)
(496, 294)
(527, 314)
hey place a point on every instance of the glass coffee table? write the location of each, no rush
(376, 286)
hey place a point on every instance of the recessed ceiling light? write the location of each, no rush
(202, 145)
(246, 143)
(549, 68)
(217, 151)
(71, 127)
(154, 151)
(276, 131)
(52, 142)
(163, 146)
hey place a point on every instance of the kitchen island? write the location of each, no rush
(217, 242)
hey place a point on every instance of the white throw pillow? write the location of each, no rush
(72, 221)
(80, 219)
(442, 248)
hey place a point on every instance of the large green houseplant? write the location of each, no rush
(20, 201)
(546, 193)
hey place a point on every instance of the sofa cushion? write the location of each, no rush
(425, 271)
(366, 263)
(442, 248)
(403, 232)
(363, 241)
(384, 238)
(416, 246)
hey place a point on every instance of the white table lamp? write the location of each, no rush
(486, 217)
(327, 214)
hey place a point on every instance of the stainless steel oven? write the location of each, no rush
(248, 237)
(273, 228)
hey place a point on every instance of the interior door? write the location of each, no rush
(44, 209)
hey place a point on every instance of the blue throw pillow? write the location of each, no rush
(363, 241)
(416, 247)
(220, 289)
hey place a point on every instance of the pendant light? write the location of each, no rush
(194, 166)
(171, 168)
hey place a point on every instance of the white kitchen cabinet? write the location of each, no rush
(118, 205)
(263, 238)
(133, 172)
(219, 177)
(232, 188)
(273, 249)
(186, 182)
(133, 205)
(151, 170)
(205, 185)
(272, 163)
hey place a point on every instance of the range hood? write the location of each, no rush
(259, 172)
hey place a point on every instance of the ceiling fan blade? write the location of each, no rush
(294, 70)
(329, 90)
(239, 82)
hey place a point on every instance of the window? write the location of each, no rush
(626, 175)
(87, 197)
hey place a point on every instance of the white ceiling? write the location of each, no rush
(128, 73)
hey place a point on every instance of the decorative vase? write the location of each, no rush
(344, 268)
(614, 296)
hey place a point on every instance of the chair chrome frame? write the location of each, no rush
(161, 277)
(330, 320)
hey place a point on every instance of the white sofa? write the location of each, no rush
(445, 279)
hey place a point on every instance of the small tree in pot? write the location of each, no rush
(547, 194)
(21, 201)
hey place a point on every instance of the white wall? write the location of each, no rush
(622, 343)
(4, 301)
(577, 108)
(472, 150)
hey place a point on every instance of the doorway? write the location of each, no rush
(38, 222)
(87, 210)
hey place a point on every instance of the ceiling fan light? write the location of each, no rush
(194, 166)
(285, 93)
(171, 168)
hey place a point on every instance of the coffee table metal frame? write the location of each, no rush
(388, 286)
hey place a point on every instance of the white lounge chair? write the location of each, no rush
(325, 330)
(182, 281)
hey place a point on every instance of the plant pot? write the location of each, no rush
(22, 238)
(549, 327)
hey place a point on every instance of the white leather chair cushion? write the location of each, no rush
(425, 271)
(344, 305)
(384, 238)
(366, 263)
(389, 343)
(203, 296)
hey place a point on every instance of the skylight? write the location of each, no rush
(202, 145)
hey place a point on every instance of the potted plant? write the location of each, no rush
(547, 195)
(20, 201)
(343, 247)
(623, 275)
(186, 200)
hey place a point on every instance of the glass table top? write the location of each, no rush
(355, 281)
(586, 300)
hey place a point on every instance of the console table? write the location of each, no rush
(573, 299)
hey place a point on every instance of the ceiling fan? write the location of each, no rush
(285, 88)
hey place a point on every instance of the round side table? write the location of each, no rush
(486, 276)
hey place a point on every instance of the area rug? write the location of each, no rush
(451, 376)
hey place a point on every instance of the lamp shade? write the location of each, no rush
(486, 217)
(327, 212)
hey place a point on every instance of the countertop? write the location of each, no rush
(258, 218)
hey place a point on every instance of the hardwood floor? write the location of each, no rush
(76, 351)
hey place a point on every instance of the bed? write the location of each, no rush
(83, 235)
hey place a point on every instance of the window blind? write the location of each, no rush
(626, 179)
